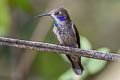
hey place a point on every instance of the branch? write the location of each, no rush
(58, 49)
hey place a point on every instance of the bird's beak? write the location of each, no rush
(42, 15)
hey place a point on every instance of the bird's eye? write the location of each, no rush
(57, 13)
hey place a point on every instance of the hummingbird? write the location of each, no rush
(67, 35)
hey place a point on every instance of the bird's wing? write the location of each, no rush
(76, 34)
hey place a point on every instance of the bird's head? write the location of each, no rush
(59, 14)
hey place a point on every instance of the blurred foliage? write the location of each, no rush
(4, 17)
(24, 5)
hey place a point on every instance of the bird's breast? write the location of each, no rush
(65, 35)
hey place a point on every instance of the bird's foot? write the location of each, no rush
(60, 44)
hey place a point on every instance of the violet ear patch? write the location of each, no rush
(61, 18)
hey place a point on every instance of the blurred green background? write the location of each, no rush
(98, 22)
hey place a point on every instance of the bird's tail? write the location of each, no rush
(76, 64)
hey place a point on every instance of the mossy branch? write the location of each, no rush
(40, 46)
